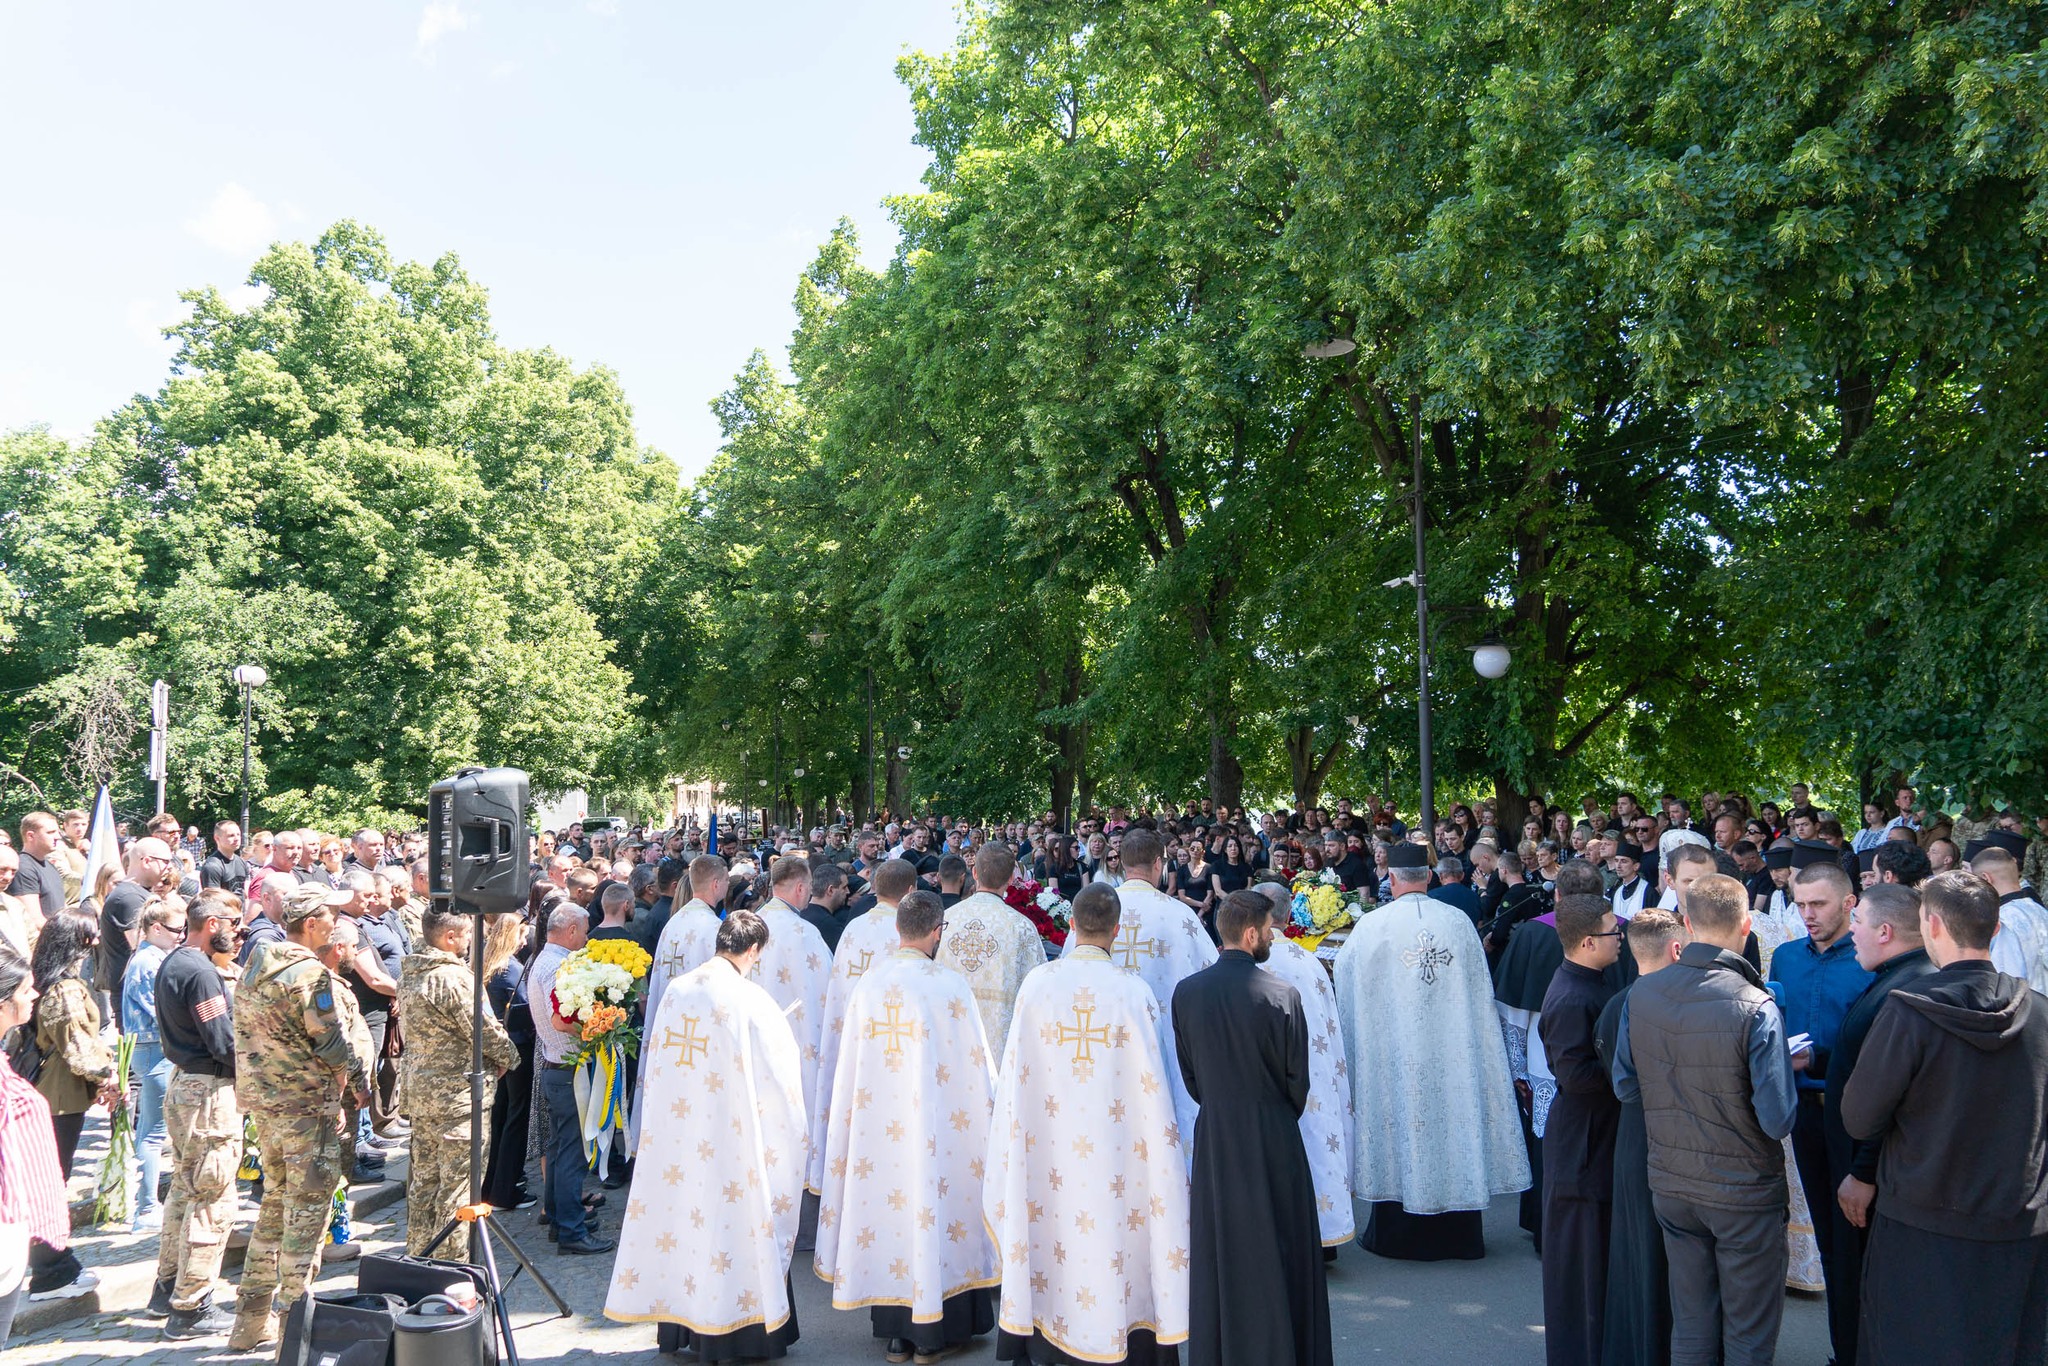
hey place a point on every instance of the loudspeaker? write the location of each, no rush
(476, 839)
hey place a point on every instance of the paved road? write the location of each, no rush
(1439, 1314)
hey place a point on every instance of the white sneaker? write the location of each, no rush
(151, 1222)
(87, 1282)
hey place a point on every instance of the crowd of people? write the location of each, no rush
(1145, 1129)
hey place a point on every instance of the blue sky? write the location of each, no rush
(636, 183)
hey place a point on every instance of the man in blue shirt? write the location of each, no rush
(1816, 980)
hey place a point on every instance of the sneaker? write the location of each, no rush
(370, 1153)
(396, 1128)
(204, 1322)
(365, 1174)
(149, 1222)
(332, 1252)
(590, 1246)
(87, 1282)
(160, 1299)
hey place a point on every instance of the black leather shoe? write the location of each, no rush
(899, 1349)
(590, 1246)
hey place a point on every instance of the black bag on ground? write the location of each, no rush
(412, 1279)
(348, 1330)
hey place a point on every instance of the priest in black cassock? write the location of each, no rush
(1578, 1139)
(1256, 1290)
(1637, 1331)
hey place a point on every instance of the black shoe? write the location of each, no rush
(590, 1245)
(1329, 1254)
(160, 1300)
(198, 1323)
(363, 1174)
(524, 1202)
(593, 1201)
(899, 1349)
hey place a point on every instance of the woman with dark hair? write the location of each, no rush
(1057, 868)
(506, 944)
(32, 1209)
(78, 1068)
(1233, 872)
(1195, 884)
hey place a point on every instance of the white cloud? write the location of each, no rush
(605, 9)
(242, 298)
(236, 221)
(439, 19)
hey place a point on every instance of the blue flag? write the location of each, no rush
(712, 846)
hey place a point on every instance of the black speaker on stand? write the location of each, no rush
(477, 863)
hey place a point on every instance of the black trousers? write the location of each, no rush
(68, 1128)
(511, 1113)
(1816, 1178)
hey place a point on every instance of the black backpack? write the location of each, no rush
(24, 1055)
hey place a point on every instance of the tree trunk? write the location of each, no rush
(1226, 774)
(1069, 740)
(1510, 809)
(895, 778)
(1308, 769)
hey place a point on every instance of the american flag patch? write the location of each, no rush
(210, 1009)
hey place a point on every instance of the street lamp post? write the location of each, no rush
(248, 677)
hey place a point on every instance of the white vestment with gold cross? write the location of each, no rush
(899, 1213)
(862, 945)
(688, 941)
(718, 1176)
(1087, 1187)
(994, 948)
(795, 968)
(1433, 1099)
(1162, 941)
(1326, 1123)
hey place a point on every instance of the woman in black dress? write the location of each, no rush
(1233, 873)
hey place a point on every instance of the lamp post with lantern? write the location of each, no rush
(248, 677)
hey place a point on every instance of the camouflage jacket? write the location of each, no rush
(434, 1000)
(295, 1050)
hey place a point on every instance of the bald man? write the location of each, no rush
(149, 861)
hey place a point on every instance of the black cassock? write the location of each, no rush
(1256, 1289)
(1578, 1169)
(1638, 1330)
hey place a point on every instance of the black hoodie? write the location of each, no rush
(1953, 1079)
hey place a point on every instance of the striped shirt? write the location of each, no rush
(31, 1182)
(553, 1044)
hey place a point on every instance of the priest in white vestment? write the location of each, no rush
(1438, 1134)
(1087, 1190)
(900, 1228)
(705, 1247)
(991, 944)
(796, 966)
(864, 943)
(1161, 941)
(688, 941)
(1326, 1132)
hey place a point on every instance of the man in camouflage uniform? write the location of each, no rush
(434, 997)
(297, 1061)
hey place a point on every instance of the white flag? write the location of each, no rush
(102, 850)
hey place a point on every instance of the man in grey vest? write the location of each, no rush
(1702, 1048)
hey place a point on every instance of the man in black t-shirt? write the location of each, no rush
(149, 861)
(225, 867)
(39, 880)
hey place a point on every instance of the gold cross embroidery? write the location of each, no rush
(895, 1029)
(1084, 1034)
(857, 966)
(689, 1045)
(1130, 946)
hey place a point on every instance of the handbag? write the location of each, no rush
(411, 1278)
(343, 1329)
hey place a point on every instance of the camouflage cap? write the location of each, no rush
(310, 898)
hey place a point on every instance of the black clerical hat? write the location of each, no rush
(1406, 855)
(1627, 850)
(2015, 845)
(1806, 853)
(1866, 859)
(1778, 856)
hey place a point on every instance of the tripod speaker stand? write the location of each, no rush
(477, 864)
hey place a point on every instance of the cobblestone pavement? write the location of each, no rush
(1453, 1312)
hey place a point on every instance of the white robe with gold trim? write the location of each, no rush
(899, 1211)
(1326, 1123)
(994, 948)
(1161, 941)
(688, 941)
(719, 1171)
(1087, 1188)
(795, 968)
(863, 944)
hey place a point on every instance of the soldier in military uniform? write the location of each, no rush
(298, 1061)
(435, 992)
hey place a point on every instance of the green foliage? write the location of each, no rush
(427, 539)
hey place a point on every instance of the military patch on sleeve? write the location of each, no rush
(324, 1000)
